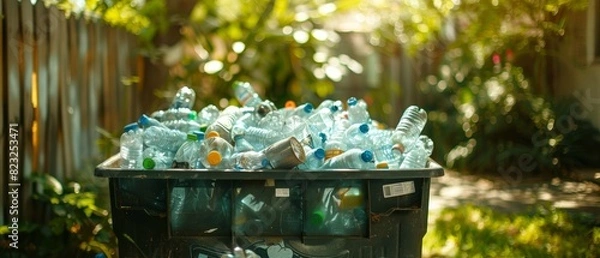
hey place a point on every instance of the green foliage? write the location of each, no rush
(281, 47)
(76, 227)
(472, 231)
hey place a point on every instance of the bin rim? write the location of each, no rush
(110, 169)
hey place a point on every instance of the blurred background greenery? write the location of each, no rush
(485, 70)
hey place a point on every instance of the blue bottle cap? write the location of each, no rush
(308, 107)
(363, 128)
(334, 108)
(129, 127)
(144, 120)
(320, 153)
(199, 135)
(323, 137)
(265, 163)
(367, 156)
(352, 101)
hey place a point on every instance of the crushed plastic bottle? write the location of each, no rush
(131, 147)
(409, 127)
(353, 158)
(188, 155)
(357, 111)
(184, 98)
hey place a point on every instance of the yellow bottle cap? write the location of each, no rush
(214, 158)
(211, 134)
(382, 165)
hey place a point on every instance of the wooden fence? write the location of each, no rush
(62, 81)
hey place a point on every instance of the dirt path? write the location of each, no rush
(453, 189)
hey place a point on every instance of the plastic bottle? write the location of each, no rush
(224, 123)
(208, 115)
(296, 127)
(249, 160)
(215, 152)
(356, 135)
(240, 144)
(163, 138)
(184, 98)
(417, 156)
(409, 127)
(185, 126)
(353, 159)
(334, 146)
(145, 121)
(385, 152)
(303, 110)
(155, 159)
(187, 156)
(357, 111)
(245, 94)
(260, 138)
(314, 159)
(131, 143)
(182, 113)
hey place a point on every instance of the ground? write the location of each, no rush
(581, 194)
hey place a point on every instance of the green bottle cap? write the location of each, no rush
(148, 163)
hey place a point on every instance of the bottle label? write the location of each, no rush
(282, 192)
(398, 189)
(332, 153)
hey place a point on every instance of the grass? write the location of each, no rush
(473, 231)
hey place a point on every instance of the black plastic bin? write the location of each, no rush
(204, 213)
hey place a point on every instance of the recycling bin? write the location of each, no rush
(275, 213)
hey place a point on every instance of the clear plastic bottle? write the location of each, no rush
(260, 138)
(249, 160)
(187, 156)
(241, 144)
(314, 159)
(215, 153)
(163, 138)
(296, 127)
(417, 156)
(353, 159)
(208, 115)
(356, 135)
(334, 146)
(357, 111)
(224, 123)
(245, 94)
(303, 110)
(131, 143)
(182, 113)
(410, 126)
(386, 154)
(155, 159)
(321, 121)
(145, 122)
(184, 98)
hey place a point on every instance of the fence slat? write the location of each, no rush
(82, 57)
(66, 135)
(71, 108)
(3, 122)
(41, 69)
(52, 136)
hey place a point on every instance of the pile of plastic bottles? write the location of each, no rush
(258, 135)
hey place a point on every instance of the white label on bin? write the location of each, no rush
(398, 189)
(282, 192)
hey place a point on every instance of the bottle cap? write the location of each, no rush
(317, 217)
(290, 104)
(211, 134)
(129, 127)
(382, 165)
(367, 156)
(148, 163)
(352, 101)
(192, 137)
(319, 153)
(192, 115)
(323, 137)
(144, 120)
(214, 158)
(308, 107)
(364, 128)
(199, 135)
